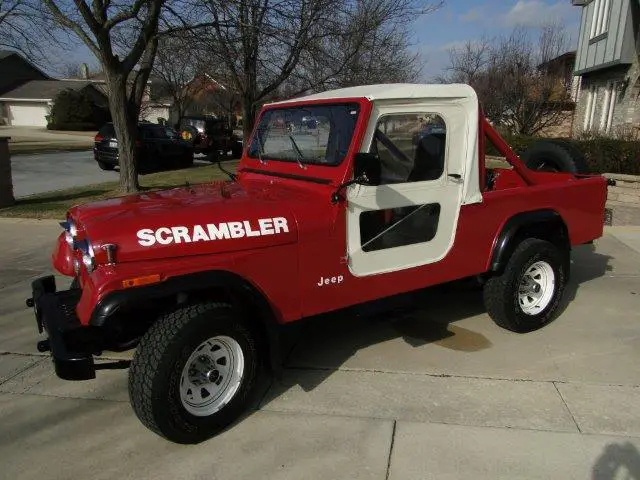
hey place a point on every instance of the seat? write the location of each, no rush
(428, 161)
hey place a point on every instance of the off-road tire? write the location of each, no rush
(157, 365)
(555, 156)
(501, 292)
(236, 151)
(105, 166)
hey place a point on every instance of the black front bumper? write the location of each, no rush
(71, 344)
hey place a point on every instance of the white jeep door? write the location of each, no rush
(410, 218)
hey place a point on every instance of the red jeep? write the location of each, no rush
(199, 280)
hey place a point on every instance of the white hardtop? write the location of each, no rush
(392, 91)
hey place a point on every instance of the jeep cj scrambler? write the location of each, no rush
(388, 194)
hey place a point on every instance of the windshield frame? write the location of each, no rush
(255, 147)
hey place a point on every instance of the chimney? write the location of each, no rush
(84, 71)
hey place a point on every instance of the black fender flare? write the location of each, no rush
(244, 296)
(504, 243)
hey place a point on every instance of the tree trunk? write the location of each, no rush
(126, 128)
(248, 116)
(6, 184)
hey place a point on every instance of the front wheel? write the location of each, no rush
(105, 166)
(194, 372)
(526, 295)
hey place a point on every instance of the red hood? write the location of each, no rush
(198, 220)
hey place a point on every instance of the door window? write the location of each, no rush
(411, 148)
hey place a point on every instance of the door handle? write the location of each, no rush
(455, 176)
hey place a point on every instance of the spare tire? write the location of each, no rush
(189, 134)
(554, 156)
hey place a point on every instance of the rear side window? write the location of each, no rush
(107, 130)
(154, 131)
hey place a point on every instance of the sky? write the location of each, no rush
(455, 23)
(462, 20)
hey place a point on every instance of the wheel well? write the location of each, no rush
(544, 225)
(126, 320)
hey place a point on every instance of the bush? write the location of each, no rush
(76, 108)
(603, 155)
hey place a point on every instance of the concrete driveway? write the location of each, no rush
(45, 172)
(436, 391)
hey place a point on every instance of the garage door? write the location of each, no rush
(28, 115)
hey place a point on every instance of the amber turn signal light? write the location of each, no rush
(139, 281)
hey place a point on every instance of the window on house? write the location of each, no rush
(608, 107)
(590, 111)
(600, 18)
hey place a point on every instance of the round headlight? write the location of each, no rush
(88, 262)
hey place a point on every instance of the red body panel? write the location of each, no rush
(286, 267)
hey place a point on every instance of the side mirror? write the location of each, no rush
(367, 165)
(366, 171)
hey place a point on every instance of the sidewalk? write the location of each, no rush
(437, 392)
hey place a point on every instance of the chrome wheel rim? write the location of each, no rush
(211, 376)
(536, 288)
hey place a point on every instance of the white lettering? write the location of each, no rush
(250, 233)
(164, 240)
(199, 234)
(146, 237)
(236, 230)
(266, 226)
(219, 232)
(280, 222)
(330, 280)
(180, 234)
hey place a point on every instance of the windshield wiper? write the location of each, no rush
(260, 152)
(298, 151)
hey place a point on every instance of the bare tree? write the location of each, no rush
(98, 26)
(305, 44)
(24, 29)
(177, 66)
(513, 75)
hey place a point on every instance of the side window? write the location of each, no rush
(411, 147)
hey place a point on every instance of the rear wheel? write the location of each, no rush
(526, 295)
(105, 166)
(194, 372)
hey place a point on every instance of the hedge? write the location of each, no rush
(603, 155)
(77, 110)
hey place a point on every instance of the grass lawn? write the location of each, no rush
(55, 204)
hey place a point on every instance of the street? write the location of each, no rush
(54, 171)
(438, 391)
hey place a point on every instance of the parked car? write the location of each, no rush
(211, 136)
(158, 147)
(202, 280)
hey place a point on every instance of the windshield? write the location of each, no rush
(318, 134)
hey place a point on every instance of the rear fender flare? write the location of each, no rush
(538, 221)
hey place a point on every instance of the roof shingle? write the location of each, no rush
(43, 89)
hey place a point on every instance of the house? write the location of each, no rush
(564, 94)
(15, 70)
(607, 61)
(30, 103)
(156, 103)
